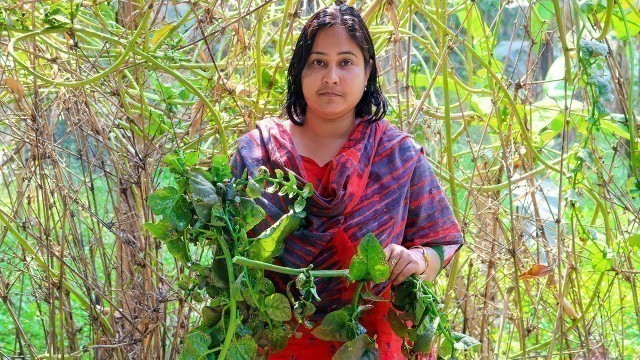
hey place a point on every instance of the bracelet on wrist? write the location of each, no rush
(427, 260)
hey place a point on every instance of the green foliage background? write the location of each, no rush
(527, 111)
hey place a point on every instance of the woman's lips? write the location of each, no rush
(329, 94)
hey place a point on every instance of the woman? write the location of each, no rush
(368, 176)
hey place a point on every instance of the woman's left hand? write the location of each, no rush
(403, 262)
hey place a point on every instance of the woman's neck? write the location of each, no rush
(321, 140)
(327, 129)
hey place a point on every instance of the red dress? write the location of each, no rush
(374, 320)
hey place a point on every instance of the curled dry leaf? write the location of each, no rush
(15, 86)
(239, 35)
(197, 114)
(536, 271)
(569, 310)
(102, 310)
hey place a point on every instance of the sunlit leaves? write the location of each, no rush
(602, 260)
(542, 13)
(270, 243)
(626, 23)
(634, 241)
(158, 34)
(369, 263)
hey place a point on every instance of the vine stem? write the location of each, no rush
(233, 308)
(129, 48)
(356, 297)
(240, 260)
(92, 80)
(607, 20)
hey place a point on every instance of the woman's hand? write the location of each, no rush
(403, 262)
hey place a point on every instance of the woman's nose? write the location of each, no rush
(331, 77)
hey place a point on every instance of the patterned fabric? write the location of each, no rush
(380, 182)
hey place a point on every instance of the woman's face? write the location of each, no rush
(334, 76)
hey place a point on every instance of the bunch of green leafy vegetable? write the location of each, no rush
(416, 318)
(206, 217)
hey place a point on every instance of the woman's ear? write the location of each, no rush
(368, 67)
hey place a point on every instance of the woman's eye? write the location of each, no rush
(317, 62)
(346, 62)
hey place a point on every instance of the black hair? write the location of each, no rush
(372, 106)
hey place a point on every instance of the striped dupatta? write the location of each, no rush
(380, 182)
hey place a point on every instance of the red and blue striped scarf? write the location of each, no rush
(380, 182)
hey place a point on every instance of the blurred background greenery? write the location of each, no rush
(528, 112)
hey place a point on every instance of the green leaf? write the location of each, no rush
(195, 344)
(360, 348)
(158, 34)
(179, 249)
(277, 307)
(211, 315)
(633, 22)
(398, 326)
(547, 135)
(302, 309)
(264, 286)
(277, 337)
(423, 343)
(217, 274)
(252, 214)
(299, 205)
(254, 190)
(585, 155)
(463, 341)
(540, 18)
(633, 186)
(204, 196)
(333, 327)
(307, 191)
(178, 161)
(634, 241)
(615, 128)
(602, 260)
(405, 296)
(220, 169)
(369, 264)
(244, 349)
(271, 242)
(162, 230)
(162, 200)
(171, 204)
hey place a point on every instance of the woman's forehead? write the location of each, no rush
(335, 40)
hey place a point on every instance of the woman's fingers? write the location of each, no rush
(398, 270)
(402, 263)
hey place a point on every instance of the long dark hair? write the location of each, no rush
(372, 106)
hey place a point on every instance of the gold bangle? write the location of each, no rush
(427, 261)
